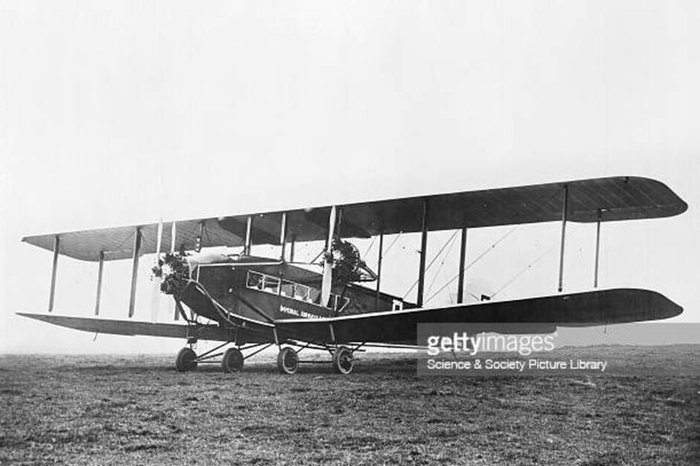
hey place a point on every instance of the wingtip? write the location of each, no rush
(30, 315)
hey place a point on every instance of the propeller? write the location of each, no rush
(170, 273)
(327, 282)
(173, 242)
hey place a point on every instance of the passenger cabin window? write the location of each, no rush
(301, 292)
(273, 285)
(287, 289)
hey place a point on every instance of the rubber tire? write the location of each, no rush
(343, 360)
(232, 360)
(186, 360)
(287, 361)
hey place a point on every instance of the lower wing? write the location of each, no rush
(538, 315)
(123, 327)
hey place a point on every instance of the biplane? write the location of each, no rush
(224, 293)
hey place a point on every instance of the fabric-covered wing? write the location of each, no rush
(617, 198)
(613, 306)
(122, 327)
(118, 243)
(614, 199)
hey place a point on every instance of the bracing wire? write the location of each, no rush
(442, 263)
(318, 256)
(391, 245)
(374, 238)
(123, 242)
(515, 277)
(478, 258)
(451, 238)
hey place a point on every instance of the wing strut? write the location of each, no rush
(283, 235)
(248, 237)
(54, 269)
(379, 270)
(135, 271)
(98, 293)
(291, 248)
(462, 260)
(173, 235)
(423, 253)
(564, 215)
(597, 248)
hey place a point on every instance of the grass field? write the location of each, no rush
(139, 410)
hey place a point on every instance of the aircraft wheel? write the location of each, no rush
(232, 360)
(287, 360)
(343, 360)
(186, 360)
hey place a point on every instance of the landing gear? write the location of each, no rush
(287, 360)
(186, 360)
(343, 360)
(232, 361)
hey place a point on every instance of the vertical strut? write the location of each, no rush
(248, 233)
(283, 235)
(200, 238)
(54, 269)
(173, 235)
(291, 248)
(597, 248)
(564, 215)
(98, 294)
(462, 260)
(423, 253)
(379, 270)
(135, 271)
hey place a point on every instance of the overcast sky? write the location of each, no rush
(118, 113)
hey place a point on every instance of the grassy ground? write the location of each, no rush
(139, 410)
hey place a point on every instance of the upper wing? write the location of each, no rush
(616, 198)
(613, 306)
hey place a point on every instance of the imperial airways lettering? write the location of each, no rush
(298, 313)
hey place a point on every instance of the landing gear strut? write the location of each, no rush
(186, 360)
(343, 359)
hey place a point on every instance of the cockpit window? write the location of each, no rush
(274, 285)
